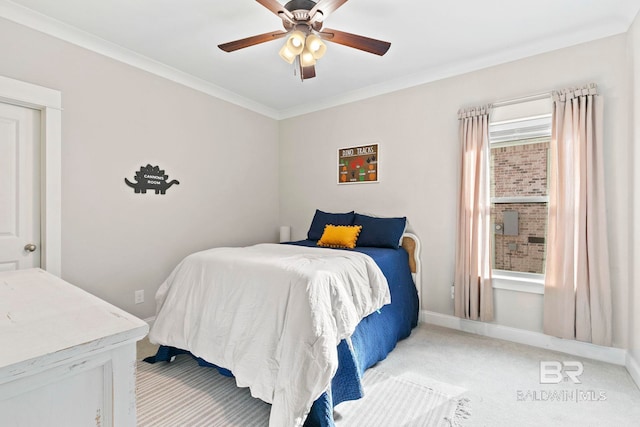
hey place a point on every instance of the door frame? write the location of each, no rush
(49, 102)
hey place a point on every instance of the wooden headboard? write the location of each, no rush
(411, 244)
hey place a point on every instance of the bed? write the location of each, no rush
(302, 370)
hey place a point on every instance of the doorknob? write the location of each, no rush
(30, 247)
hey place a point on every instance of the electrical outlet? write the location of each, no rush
(139, 297)
(453, 291)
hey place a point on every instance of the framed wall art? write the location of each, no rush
(359, 165)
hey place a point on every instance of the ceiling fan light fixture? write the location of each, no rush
(303, 22)
(295, 42)
(306, 58)
(287, 55)
(316, 46)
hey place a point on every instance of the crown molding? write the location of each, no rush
(44, 24)
(469, 65)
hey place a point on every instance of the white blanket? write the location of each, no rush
(272, 314)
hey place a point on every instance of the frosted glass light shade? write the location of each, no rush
(295, 43)
(316, 46)
(287, 55)
(306, 58)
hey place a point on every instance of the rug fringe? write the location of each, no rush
(463, 412)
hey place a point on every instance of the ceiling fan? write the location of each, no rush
(303, 20)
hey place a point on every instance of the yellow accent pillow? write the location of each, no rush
(340, 236)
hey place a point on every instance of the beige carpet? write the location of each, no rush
(182, 393)
(494, 373)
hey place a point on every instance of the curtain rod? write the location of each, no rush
(521, 99)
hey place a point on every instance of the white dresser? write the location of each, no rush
(67, 358)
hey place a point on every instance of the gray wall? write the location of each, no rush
(117, 118)
(418, 132)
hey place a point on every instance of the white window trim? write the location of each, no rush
(521, 199)
(541, 129)
(518, 281)
(49, 102)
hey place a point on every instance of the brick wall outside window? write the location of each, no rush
(518, 171)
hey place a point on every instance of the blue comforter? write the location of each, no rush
(374, 338)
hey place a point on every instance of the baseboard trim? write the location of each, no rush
(613, 355)
(634, 368)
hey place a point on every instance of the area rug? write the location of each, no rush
(182, 393)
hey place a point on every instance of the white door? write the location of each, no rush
(19, 187)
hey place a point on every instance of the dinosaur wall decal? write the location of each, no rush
(150, 178)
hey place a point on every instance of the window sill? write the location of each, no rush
(519, 282)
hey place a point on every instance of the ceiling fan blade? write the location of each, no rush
(278, 9)
(323, 8)
(251, 41)
(355, 41)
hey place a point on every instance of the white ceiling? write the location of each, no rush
(429, 40)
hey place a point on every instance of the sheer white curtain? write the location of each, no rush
(473, 293)
(577, 296)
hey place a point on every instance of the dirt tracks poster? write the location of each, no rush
(358, 164)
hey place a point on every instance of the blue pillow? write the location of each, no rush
(380, 232)
(320, 219)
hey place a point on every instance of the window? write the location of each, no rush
(519, 197)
